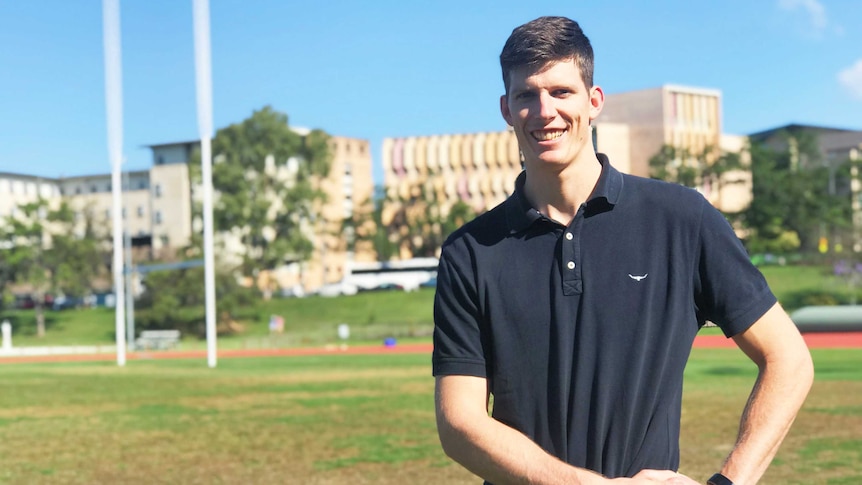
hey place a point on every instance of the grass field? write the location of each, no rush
(340, 418)
(346, 419)
(372, 316)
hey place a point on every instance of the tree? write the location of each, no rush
(77, 255)
(266, 178)
(792, 197)
(366, 226)
(707, 169)
(43, 249)
(174, 299)
(416, 225)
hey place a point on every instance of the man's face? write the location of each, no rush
(550, 110)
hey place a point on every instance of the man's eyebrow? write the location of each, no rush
(521, 89)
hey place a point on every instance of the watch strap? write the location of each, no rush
(719, 479)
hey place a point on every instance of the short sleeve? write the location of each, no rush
(458, 341)
(730, 290)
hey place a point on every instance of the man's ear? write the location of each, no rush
(504, 109)
(597, 101)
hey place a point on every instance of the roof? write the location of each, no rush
(797, 127)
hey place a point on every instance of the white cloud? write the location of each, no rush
(851, 79)
(813, 8)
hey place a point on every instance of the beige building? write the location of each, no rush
(18, 189)
(688, 118)
(480, 168)
(683, 117)
(157, 208)
(348, 187)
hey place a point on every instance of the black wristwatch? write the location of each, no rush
(719, 479)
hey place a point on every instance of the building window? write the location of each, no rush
(124, 212)
(157, 217)
(140, 211)
(93, 189)
(157, 190)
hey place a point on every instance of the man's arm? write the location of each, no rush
(785, 376)
(501, 454)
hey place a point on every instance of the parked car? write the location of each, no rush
(337, 289)
(67, 302)
(24, 302)
(295, 291)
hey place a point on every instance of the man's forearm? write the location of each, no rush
(489, 448)
(775, 400)
(503, 455)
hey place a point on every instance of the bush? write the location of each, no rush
(818, 297)
(176, 300)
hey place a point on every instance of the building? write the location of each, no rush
(633, 126)
(835, 145)
(835, 148)
(347, 188)
(480, 168)
(156, 207)
(18, 189)
(158, 202)
(683, 117)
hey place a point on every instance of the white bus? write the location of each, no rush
(407, 274)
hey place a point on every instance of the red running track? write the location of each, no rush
(852, 340)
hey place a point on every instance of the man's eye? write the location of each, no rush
(525, 95)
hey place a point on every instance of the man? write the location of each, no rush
(575, 303)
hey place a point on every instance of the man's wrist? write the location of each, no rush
(719, 479)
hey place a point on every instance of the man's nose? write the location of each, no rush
(546, 107)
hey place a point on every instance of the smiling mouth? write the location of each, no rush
(547, 135)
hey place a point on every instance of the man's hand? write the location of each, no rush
(668, 477)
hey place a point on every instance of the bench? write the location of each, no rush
(158, 339)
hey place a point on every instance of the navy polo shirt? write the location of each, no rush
(583, 331)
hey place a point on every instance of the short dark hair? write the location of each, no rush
(546, 40)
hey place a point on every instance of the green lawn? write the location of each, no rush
(343, 419)
(372, 316)
(347, 419)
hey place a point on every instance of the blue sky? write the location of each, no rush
(388, 68)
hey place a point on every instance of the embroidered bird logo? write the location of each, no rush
(638, 278)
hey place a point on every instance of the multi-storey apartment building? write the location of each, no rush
(687, 118)
(18, 189)
(157, 208)
(684, 117)
(347, 187)
(480, 168)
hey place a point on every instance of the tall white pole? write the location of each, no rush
(114, 103)
(203, 76)
(129, 277)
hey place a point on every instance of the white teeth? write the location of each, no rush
(547, 135)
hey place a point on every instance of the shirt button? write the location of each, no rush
(569, 236)
(570, 265)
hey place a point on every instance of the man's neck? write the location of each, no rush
(559, 193)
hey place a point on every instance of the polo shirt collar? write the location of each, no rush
(520, 214)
